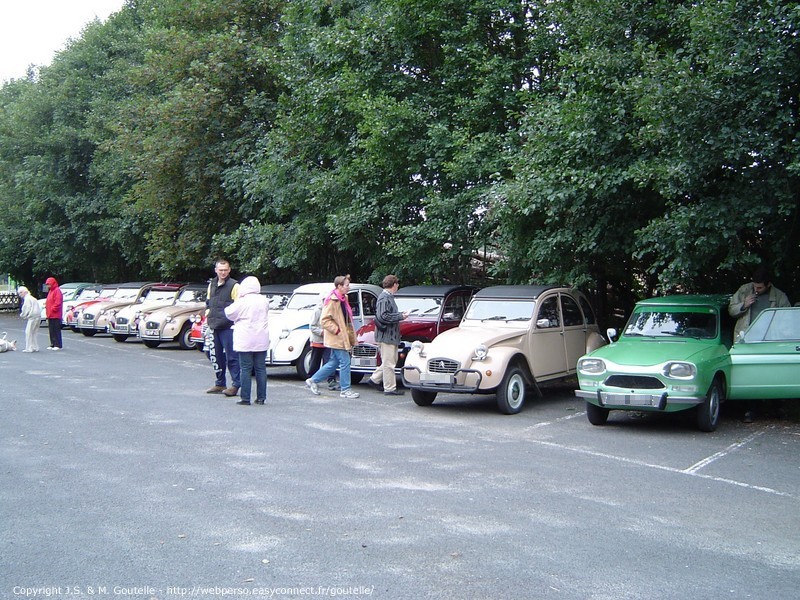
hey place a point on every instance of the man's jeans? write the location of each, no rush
(226, 357)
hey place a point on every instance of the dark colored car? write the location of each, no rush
(432, 310)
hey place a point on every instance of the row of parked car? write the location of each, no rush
(675, 353)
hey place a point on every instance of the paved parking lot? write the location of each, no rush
(120, 477)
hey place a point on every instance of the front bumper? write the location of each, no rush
(643, 400)
(462, 381)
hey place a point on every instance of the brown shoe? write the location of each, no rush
(231, 391)
(217, 389)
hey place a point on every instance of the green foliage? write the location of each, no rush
(626, 146)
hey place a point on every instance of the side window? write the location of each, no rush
(548, 314)
(352, 298)
(454, 308)
(571, 311)
(588, 313)
(370, 303)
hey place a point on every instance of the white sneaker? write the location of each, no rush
(349, 394)
(26, 350)
(55, 348)
(312, 386)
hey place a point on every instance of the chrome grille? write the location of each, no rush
(151, 325)
(442, 365)
(634, 382)
(365, 351)
(122, 321)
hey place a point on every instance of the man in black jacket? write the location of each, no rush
(222, 291)
(387, 334)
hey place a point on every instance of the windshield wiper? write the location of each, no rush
(494, 318)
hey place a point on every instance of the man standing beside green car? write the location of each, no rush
(750, 299)
(748, 302)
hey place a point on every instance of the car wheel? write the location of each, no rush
(304, 363)
(88, 332)
(119, 337)
(151, 343)
(597, 415)
(512, 391)
(184, 341)
(356, 377)
(422, 398)
(708, 411)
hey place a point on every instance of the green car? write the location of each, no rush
(765, 361)
(672, 356)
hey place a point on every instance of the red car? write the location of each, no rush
(432, 310)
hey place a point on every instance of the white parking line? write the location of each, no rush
(691, 471)
(721, 454)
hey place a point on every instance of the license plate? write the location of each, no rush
(435, 377)
(630, 400)
(364, 362)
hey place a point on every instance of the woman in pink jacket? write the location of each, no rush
(249, 314)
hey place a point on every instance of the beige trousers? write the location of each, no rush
(385, 371)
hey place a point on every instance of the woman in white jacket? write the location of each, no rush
(32, 313)
(250, 314)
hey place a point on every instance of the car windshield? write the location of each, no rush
(419, 306)
(775, 326)
(278, 301)
(700, 324)
(500, 310)
(87, 294)
(158, 295)
(122, 294)
(304, 301)
(191, 296)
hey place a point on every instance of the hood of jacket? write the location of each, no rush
(51, 281)
(249, 285)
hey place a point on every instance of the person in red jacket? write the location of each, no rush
(53, 308)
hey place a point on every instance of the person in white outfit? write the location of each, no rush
(32, 313)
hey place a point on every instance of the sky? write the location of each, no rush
(32, 31)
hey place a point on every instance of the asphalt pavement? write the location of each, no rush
(121, 478)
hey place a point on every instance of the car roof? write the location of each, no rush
(432, 290)
(716, 300)
(321, 288)
(195, 286)
(279, 288)
(515, 291)
(132, 284)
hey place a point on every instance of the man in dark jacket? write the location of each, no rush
(222, 291)
(387, 334)
(53, 309)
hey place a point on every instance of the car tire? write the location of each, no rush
(423, 398)
(119, 337)
(152, 343)
(88, 332)
(184, 341)
(356, 377)
(513, 391)
(597, 415)
(708, 411)
(304, 363)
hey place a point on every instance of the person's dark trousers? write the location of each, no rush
(54, 327)
(227, 357)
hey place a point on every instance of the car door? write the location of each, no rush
(768, 364)
(574, 331)
(455, 305)
(363, 303)
(547, 350)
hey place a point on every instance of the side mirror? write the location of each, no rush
(543, 324)
(611, 334)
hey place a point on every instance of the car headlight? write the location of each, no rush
(679, 370)
(481, 351)
(169, 319)
(417, 346)
(284, 334)
(591, 366)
